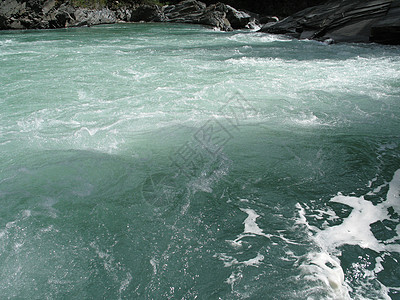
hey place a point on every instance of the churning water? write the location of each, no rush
(158, 161)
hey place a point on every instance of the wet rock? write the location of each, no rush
(343, 21)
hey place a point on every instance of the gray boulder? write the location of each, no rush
(238, 19)
(196, 12)
(343, 21)
(57, 17)
(221, 16)
(91, 17)
(11, 12)
(32, 14)
(123, 14)
(215, 19)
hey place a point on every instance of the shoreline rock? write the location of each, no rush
(335, 21)
(344, 21)
(50, 14)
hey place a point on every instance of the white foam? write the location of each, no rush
(250, 61)
(5, 42)
(251, 227)
(393, 195)
(324, 265)
(154, 264)
(124, 284)
(246, 37)
(329, 271)
(355, 228)
(254, 262)
(233, 278)
(307, 120)
(230, 261)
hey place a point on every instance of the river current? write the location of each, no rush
(168, 161)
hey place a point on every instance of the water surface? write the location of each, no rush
(173, 161)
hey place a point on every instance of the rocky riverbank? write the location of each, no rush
(335, 21)
(32, 14)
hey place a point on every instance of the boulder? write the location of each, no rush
(147, 13)
(268, 19)
(185, 8)
(123, 14)
(89, 17)
(238, 19)
(48, 6)
(12, 10)
(343, 21)
(196, 12)
(215, 19)
(387, 30)
(62, 17)
(17, 15)
(29, 14)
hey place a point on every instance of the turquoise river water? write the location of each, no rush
(159, 161)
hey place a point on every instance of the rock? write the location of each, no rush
(147, 13)
(282, 8)
(123, 14)
(15, 15)
(343, 21)
(268, 19)
(221, 16)
(196, 12)
(387, 30)
(237, 19)
(12, 9)
(215, 19)
(186, 8)
(3, 22)
(62, 17)
(23, 14)
(91, 17)
(27, 14)
(48, 6)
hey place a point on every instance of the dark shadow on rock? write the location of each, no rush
(344, 21)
